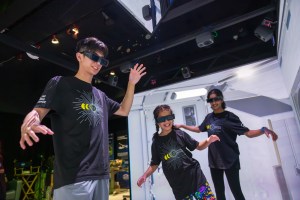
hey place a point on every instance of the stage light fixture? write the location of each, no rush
(185, 71)
(54, 40)
(125, 67)
(112, 73)
(265, 30)
(146, 10)
(73, 31)
(205, 39)
(97, 81)
(113, 80)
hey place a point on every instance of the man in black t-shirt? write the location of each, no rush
(79, 125)
(223, 156)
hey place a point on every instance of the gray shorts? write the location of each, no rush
(86, 190)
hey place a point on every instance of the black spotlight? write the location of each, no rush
(185, 71)
(146, 10)
(265, 30)
(173, 96)
(204, 39)
(113, 80)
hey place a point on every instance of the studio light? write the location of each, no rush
(185, 71)
(73, 31)
(113, 80)
(188, 93)
(204, 39)
(265, 30)
(125, 67)
(112, 73)
(54, 40)
(146, 10)
(97, 81)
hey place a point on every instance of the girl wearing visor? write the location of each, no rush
(172, 147)
(223, 156)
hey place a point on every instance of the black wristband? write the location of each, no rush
(263, 129)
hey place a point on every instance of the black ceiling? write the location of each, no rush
(28, 26)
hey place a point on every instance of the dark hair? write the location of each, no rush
(219, 94)
(156, 112)
(91, 44)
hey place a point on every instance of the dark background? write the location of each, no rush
(28, 27)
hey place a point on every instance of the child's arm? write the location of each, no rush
(259, 132)
(190, 128)
(202, 145)
(148, 172)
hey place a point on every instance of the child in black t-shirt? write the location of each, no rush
(172, 147)
(223, 156)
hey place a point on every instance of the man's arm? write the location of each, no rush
(135, 75)
(32, 125)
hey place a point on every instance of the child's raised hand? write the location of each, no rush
(212, 139)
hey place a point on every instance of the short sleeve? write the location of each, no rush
(113, 106)
(202, 127)
(190, 142)
(236, 125)
(48, 95)
(155, 159)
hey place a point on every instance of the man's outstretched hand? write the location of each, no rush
(136, 73)
(28, 134)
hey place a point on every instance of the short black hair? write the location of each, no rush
(91, 44)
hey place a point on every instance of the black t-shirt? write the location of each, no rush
(223, 154)
(181, 170)
(80, 124)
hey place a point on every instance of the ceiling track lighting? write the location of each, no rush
(206, 39)
(265, 30)
(73, 31)
(186, 73)
(113, 80)
(112, 73)
(54, 40)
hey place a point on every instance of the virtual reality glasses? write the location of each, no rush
(94, 57)
(164, 118)
(214, 99)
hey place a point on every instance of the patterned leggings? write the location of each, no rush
(203, 193)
